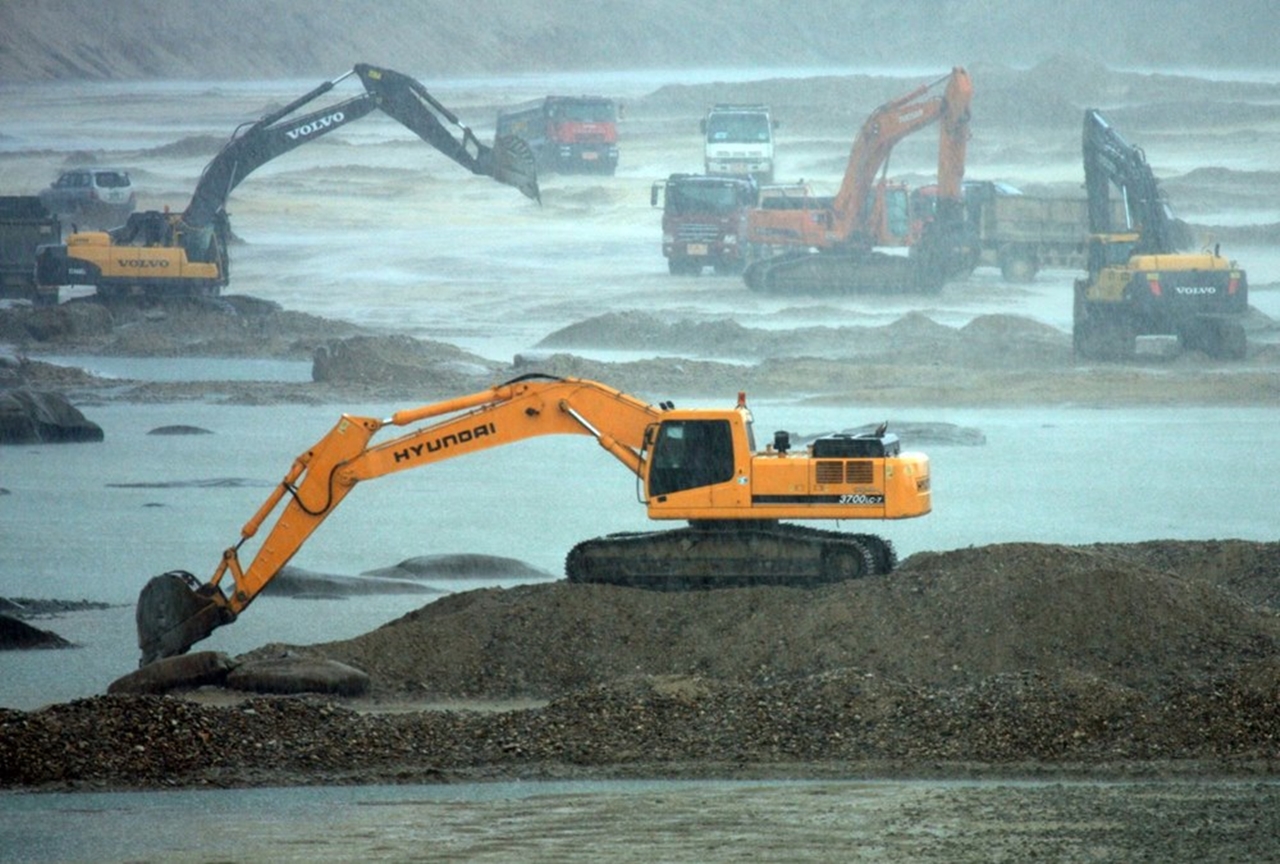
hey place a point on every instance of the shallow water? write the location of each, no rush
(95, 521)
(375, 228)
(646, 821)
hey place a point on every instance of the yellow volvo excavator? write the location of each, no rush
(697, 465)
(1139, 282)
(162, 254)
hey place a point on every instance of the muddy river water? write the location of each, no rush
(377, 229)
(645, 821)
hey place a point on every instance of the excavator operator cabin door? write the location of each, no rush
(691, 455)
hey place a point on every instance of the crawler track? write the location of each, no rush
(729, 556)
(839, 273)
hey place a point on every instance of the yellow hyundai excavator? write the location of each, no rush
(700, 465)
(826, 245)
(163, 254)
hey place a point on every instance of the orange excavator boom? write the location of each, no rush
(858, 218)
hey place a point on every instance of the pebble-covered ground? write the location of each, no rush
(1018, 660)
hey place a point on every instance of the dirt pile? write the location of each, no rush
(942, 619)
(1004, 659)
(231, 326)
(913, 338)
(993, 360)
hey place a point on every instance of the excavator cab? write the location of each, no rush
(689, 454)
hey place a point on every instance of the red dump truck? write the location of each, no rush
(704, 221)
(568, 134)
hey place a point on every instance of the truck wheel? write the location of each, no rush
(1018, 266)
(729, 267)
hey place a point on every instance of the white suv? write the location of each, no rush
(100, 196)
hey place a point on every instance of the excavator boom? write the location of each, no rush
(697, 465)
(186, 254)
(858, 219)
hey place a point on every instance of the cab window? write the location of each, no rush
(689, 454)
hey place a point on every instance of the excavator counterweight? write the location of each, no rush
(697, 465)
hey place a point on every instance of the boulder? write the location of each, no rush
(18, 635)
(33, 416)
(295, 674)
(185, 671)
(460, 566)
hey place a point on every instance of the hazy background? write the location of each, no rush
(131, 39)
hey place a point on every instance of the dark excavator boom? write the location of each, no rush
(159, 253)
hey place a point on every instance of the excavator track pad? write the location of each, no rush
(174, 613)
(729, 555)
(838, 273)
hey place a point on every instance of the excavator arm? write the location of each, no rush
(888, 125)
(406, 100)
(1110, 159)
(174, 611)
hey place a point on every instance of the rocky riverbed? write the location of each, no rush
(1019, 660)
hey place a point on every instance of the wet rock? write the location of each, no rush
(179, 429)
(920, 434)
(397, 359)
(32, 416)
(460, 567)
(68, 322)
(297, 674)
(183, 672)
(297, 582)
(18, 635)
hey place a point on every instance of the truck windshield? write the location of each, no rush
(737, 128)
(702, 198)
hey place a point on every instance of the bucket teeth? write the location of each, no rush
(515, 165)
(173, 614)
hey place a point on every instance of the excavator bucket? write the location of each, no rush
(515, 165)
(174, 613)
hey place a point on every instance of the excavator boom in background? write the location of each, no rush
(1138, 283)
(823, 246)
(697, 465)
(185, 254)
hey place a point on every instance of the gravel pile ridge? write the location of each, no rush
(1020, 659)
(842, 722)
(942, 619)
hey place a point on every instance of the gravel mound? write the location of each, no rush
(914, 337)
(942, 619)
(1109, 659)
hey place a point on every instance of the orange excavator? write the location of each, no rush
(827, 245)
(698, 465)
